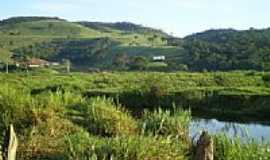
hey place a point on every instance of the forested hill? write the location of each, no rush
(128, 46)
(228, 49)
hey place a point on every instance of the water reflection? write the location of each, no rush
(232, 129)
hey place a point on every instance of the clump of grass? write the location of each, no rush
(166, 123)
(58, 101)
(105, 118)
(45, 139)
(15, 107)
(37, 121)
(234, 149)
(84, 147)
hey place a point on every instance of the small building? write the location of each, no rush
(159, 58)
(36, 63)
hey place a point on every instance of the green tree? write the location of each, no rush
(6, 59)
(151, 40)
(139, 63)
(121, 60)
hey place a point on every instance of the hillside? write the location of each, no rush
(228, 49)
(124, 45)
(86, 44)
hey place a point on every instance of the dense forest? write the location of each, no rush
(228, 50)
(128, 46)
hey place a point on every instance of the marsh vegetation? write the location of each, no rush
(117, 116)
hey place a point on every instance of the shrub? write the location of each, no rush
(103, 117)
(154, 87)
(157, 91)
(266, 77)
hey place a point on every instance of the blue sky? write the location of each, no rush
(180, 17)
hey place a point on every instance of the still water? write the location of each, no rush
(245, 131)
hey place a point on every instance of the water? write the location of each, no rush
(245, 131)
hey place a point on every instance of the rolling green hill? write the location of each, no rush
(86, 44)
(118, 45)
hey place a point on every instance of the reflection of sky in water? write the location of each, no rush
(254, 131)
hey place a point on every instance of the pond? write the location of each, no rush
(251, 130)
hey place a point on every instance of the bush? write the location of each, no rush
(154, 87)
(266, 77)
(103, 117)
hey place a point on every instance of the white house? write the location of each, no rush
(159, 58)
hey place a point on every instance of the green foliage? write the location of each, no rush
(82, 146)
(166, 123)
(45, 140)
(15, 107)
(139, 63)
(154, 86)
(228, 50)
(121, 61)
(105, 118)
(58, 117)
(55, 39)
(86, 44)
(266, 77)
(234, 149)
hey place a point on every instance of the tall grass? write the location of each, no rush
(15, 107)
(105, 118)
(82, 146)
(166, 123)
(235, 149)
(55, 120)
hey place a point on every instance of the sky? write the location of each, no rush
(177, 17)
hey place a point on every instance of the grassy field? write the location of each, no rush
(126, 115)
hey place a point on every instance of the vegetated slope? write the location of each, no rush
(57, 39)
(116, 45)
(228, 49)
